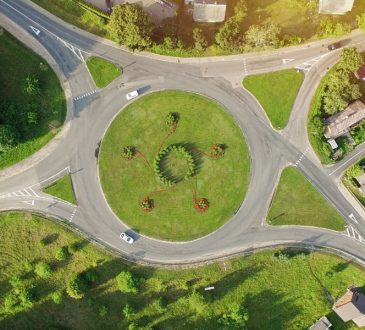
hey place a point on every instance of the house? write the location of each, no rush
(212, 11)
(321, 324)
(339, 123)
(360, 74)
(335, 7)
(351, 306)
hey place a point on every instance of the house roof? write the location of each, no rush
(338, 123)
(351, 306)
(321, 324)
(209, 11)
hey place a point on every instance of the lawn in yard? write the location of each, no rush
(35, 118)
(201, 123)
(276, 92)
(102, 71)
(62, 189)
(280, 289)
(297, 202)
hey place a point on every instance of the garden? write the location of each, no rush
(32, 102)
(55, 279)
(174, 165)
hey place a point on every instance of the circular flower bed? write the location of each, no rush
(201, 204)
(169, 173)
(147, 204)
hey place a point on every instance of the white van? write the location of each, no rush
(131, 95)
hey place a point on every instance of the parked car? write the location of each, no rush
(126, 238)
(334, 46)
(131, 95)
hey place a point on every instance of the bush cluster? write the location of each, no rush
(147, 204)
(128, 152)
(168, 181)
(217, 150)
(171, 119)
(201, 204)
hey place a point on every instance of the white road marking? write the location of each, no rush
(301, 157)
(29, 202)
(352, 233)
(36, 31)
(352, 217)
(84, 95)
(73, 214)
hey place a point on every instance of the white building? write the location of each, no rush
(335, 7)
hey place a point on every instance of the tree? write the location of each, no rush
(328, 28)
(8, 138)
(76, 286)
(240, 10)
(360, 20)
(200, 41)
(129, 25)
(350, 60)
(126, 283)
(354, 171)
(43, 269)
(235, 318)
(62, 253)
(229, 36)
(262, 36)
(31, 85)
(103, 310)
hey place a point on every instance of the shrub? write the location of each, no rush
(147, 204)
(201, 204)
(10, 301)
(31, 85)
(127, 283)
(217, 150)
(128, 152)
(76, 286)
(128, 312)
(27, 265)
(91, 275)
(25, 296)
(43, 269)
(57, 297)
(16, 282)
(43, 242)
(74, 247)
(159, 305)
(62, 253)
(235, 318)
(171, 119)
(103, 310)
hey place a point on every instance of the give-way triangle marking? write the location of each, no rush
(287, 60)
(29, 202)
(35, 30)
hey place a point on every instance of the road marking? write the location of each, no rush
(29, 202)
(352, 233)
(84, 95)
(36, 31)
(73, 214)
(287, 60)
(245, 66)
(352, 217)
(301, 157)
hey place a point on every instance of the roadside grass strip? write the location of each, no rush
(62, 189)
(297, 202)
(276, 92)
(102, 71)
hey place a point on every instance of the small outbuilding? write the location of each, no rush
(335, 7)
(351, 306)
(211, 11)
(339, 123)
(322, 324)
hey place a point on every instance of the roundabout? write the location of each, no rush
(174, 165)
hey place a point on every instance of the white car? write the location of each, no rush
(131, 95)
(126, 238)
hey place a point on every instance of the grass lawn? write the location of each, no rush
(279, 292)
(297, 202)
(102, 71)
(18, 62)
(62, 189)
(222, 181)
(276, 92)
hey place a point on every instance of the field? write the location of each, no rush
(62, 189)
(102, 71)
(49, 106)
(297, 202)
(276, 92)
(202, 123)
(280, 289)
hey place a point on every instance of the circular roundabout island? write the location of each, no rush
(174, 165)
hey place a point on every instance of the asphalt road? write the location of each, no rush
(218, 78)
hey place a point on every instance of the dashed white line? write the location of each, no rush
(73, 214)
(301, 157)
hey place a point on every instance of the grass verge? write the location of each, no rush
(102, 71)
(202, 123)
(276, 92)
(285, 287)
(297, 202)
(62, 189)
(49, 106)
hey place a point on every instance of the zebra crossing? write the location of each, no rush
(25, 192)
(306, 66)
(80, 97)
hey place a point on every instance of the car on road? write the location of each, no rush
(334, 46)
(131, 95)
(126, 238)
